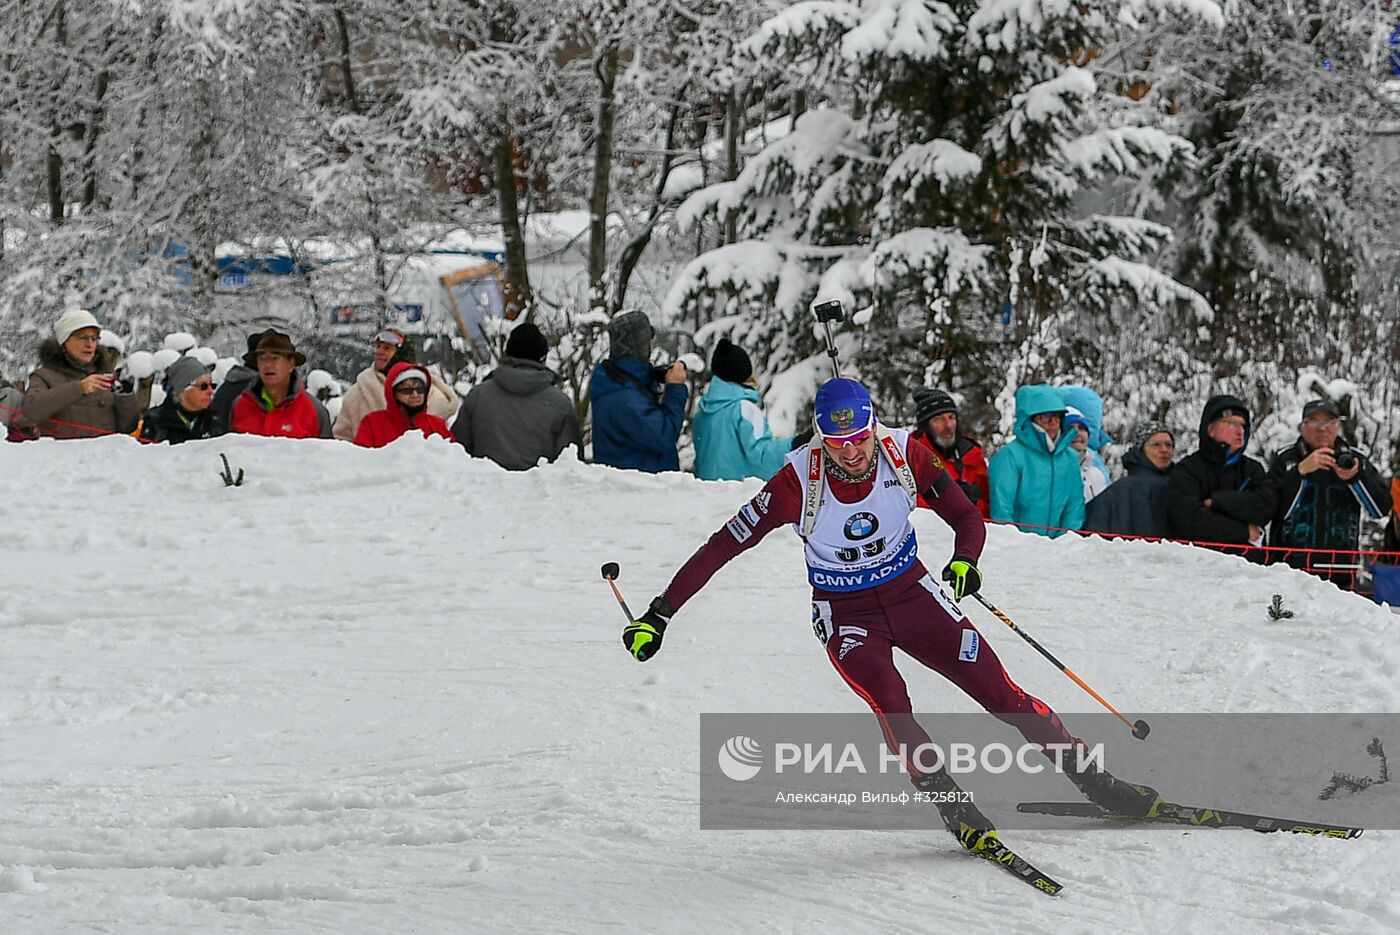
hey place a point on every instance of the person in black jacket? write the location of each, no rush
(1136, 505)
(186, 413)
(1217, 494)
(236, 383)
(1325, 486)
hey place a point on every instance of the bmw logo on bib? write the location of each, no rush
(862, 526)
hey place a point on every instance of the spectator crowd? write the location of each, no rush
(1307, 505)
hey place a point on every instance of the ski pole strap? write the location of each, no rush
(816, 474)
(897, 461)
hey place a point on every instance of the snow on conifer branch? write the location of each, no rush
(943, 261)
(1122, 151)
(918, 30)
(1144, 283)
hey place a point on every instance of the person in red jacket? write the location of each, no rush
(276, 403)
(406, 407)
(936, 418)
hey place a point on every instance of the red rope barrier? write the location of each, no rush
(1334, 567)
(95, 431)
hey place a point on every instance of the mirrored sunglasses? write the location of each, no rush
(837, 442)
(388, 337)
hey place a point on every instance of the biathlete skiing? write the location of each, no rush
(849, 494)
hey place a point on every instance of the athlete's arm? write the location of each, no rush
(946, 499)
(778, 503)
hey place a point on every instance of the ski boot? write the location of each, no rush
(1114, 795)
(960, 816)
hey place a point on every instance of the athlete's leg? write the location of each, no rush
(861, 653)
(930, 628)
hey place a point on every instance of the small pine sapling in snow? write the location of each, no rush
(1346, 783)
(1276, 609)
(227, 475)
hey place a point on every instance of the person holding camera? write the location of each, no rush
(1325, 487)
(638, 410)
(74, 393)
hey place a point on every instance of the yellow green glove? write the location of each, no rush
(963, 576)
(642, 637)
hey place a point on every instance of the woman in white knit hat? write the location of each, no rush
(73, 393)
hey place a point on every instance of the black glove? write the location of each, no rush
(963, 576)
(971, 490)
(642, 637)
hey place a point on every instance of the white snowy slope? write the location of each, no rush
(383, 692)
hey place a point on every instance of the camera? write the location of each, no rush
(659, 371)
(829, 311)
(1345, 457)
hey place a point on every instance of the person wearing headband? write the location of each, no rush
(390, 347)
(405, 409)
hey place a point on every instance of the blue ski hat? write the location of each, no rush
(842, 407)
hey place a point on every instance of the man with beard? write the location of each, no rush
(939, 429)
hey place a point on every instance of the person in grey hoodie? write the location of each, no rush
(518, 416)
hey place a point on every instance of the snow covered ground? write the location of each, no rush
(383, 691)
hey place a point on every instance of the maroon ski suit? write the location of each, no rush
(861, 628)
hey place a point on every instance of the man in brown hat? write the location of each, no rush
(277, 402)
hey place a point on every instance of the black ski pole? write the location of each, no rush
(610, 573)
(1139, 728)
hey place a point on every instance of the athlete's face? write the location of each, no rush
(853, 457)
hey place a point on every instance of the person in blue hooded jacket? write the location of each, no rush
(1035, 479)
(636, 420)
(1090, 406)
(732, 437)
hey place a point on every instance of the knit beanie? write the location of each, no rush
(182, 373)
(413, 372)
(630, 334)
(75, 319)
(527, 342)
(730, 362)
(1147, 429)
(929, 402)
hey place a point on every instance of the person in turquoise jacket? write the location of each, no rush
(732, 437)
(1035, 478)
(1090, 405)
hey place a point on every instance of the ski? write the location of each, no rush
(1175, 814)
(989, 847)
